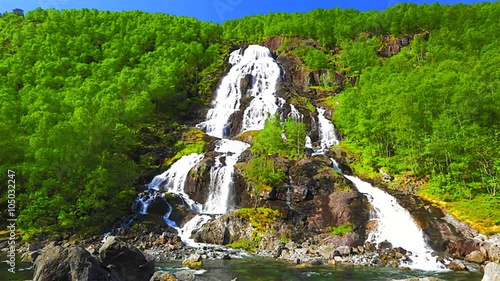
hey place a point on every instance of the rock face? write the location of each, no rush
(70, 264)
(491, 272)
(127, 263)
(224, 230)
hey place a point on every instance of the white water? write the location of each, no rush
(258, 62)
(396, 225)
(188, 228)
(174, 179)
(295, 114)
(221, 176)
(327, 134)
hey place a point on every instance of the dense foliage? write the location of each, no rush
(430, 111)
(285, 139)
(78, 87)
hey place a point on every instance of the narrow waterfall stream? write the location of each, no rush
(396, 225)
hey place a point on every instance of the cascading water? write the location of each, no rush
(258, 62)
(221, 176)
(327, 134)
(174, 179)
(396, 225)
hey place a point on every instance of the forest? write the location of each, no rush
(79, 89)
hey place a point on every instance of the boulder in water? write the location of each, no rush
(457, 265)
(126, 262)
(194, 261)
(163, 276)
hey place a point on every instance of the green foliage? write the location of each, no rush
(193, 141)
(341, 230)
(262, 170)
(78, 87)
(246, 244)
(260, 218)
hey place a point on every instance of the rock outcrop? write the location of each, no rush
(126, 262)
(70, 264)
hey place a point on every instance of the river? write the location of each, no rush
(256, 269)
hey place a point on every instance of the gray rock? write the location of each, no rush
(70, 264)
(126, 262)
(163, 276)
(491, 272)
(184, 275)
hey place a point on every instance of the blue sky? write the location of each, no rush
(210, 10)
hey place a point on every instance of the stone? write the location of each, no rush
(126, 262)
(70, 264)
(491, 272)
(476, 257)
(184, 275)
(30, 257)
(344, 250)
(163, 276)
(194, 261)
(457, 265)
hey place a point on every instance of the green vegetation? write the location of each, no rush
(341, 229)
(193, 141)
(261, 220)
(262, 171)
(79, 88)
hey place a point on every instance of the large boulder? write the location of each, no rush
(224, 230)
(126, 262)
(70, 264)
(491, 272)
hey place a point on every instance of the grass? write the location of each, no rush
(192, 142)
(482, 213)
(341, 230)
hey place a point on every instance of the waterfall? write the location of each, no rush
(174, 179)
(327, 134)
(295, 114)
(256, 61)
(221, 176)
(395, 225)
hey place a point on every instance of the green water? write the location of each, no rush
(22, 270)
(258, 269)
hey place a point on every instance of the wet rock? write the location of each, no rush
(492, 248)
(476, 257)
(184, 275)
(457, 265)
(126, 262)
(30, 257)
(194, 261)
(491, 272)
(246, 83)
(163, 276)
(70, 264)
